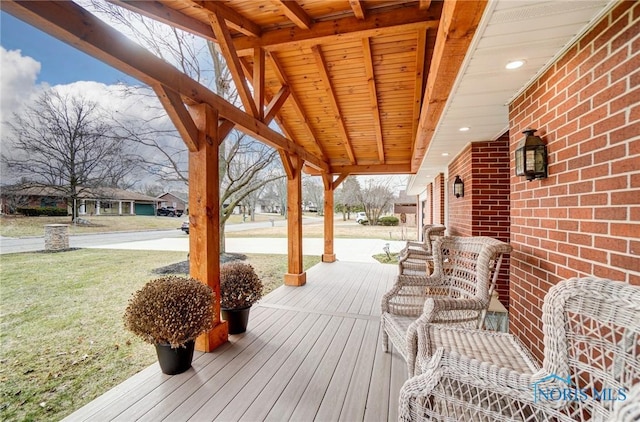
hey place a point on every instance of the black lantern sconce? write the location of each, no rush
(458, 187)
(531, 157)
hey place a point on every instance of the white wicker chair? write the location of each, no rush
(591, 338)
(457, 293)
(417, 257)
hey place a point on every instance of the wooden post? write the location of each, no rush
(328, 255)
(296, 275)
(204, 218)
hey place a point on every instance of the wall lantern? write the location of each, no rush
(458, 187)
(531, 157)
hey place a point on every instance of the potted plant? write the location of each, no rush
(170, 312)
(240, 287)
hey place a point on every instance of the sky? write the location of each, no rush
(60, 63)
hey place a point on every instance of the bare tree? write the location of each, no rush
(313, 192)
(376, 198)
(347, 198)
(68, 144)
(246, 165)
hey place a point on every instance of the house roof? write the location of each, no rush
(405, 199)
(86, 193)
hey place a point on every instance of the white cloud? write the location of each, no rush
(17, 81)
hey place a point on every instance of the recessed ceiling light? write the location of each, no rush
(515, 64)
(445, 154)
(464, 129)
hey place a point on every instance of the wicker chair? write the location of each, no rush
(591, 363)
(417, 257)
(458, 292)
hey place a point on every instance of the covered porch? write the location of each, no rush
(310, 353)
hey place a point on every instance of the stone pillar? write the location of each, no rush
(56, 237)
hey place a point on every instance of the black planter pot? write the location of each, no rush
(237, 319)
(175, 361)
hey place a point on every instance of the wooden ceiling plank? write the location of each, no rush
(373, 95)
(228, 51)
(276, 103)
(344, 29)
(72, 24)
(179, 115)
(234, 19)
(258, 81)
(460, 19)
(419, 82)
(159, 12)
(324, 75)
(372, 169)
(296, 14)
(358, 9)
(297, 105)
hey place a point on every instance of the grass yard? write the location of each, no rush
(61, 333)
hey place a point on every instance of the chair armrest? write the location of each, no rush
(409, 292)
(462, 388)
(435, 309)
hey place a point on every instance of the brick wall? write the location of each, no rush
(584, 219)
(484, 209)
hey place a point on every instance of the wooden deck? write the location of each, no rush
(310, 353)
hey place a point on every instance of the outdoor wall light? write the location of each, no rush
(531, 157)
(458, 187)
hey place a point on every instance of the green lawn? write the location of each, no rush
(61, 333)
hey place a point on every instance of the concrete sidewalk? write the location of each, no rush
(354, 250)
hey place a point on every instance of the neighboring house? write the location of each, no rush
(179, 201)
(94, 201)
(405, 207)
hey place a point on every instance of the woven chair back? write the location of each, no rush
(430, 233)
(592, 334)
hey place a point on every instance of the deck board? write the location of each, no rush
(310, 353)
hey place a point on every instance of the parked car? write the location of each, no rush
(185, 227)
(361, 218)
(169, 212)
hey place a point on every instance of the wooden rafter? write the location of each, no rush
(324, 75)
(161, 13)
(233, 18)
(296, 14)
(373, 96)
(233, 62)
(72, 24)
(425, 4)
(258, 81)
(459, 21)
(339, 180)
(358, 8)
(179, 115)
(297, 106)
(348, 28)
(419, 82)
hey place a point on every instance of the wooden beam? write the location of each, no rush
(224, 128)
(373, 169)
(295, 275)
(296, 14)
(328, 254)
(324, 75)
(234, 19)
(258, 81)
(425, 4)
(347, 29)
(339, 180)
(419, 82)
(276, 103)
(233, 62)
(358, 8)
(297, 105)
(70, 23)
(460, 19)
(204, 218)
(179, 115)
(373, 97)
(287, 164)
(161, 13)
